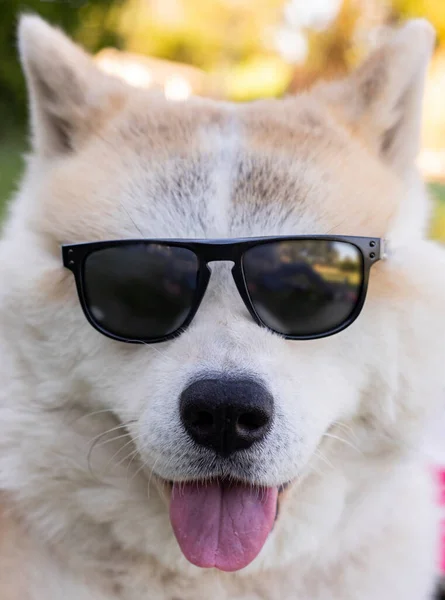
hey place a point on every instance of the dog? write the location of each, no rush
(233, 458)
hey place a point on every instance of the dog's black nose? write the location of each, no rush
(226, 415)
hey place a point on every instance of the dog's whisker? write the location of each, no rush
(96, 446)
(132, 220)
(151, 477)
(129, 455)
(130, 441)
(112, 429)
(99, 412)
(99, 444)
(317, 470)
(103, 411)
(347, 428)
(343, 441)
(131, 458)
(337, 226)
(164, 355)
(96, 442)
(141, 468)
(319, 454)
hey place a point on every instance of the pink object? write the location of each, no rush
(222, 526)
(226, 527)
(442, 502)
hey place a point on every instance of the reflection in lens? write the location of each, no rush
(303, 287)
(140, 291)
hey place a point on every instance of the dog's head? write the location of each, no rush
(113, 162)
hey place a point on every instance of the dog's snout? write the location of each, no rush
(226, 415)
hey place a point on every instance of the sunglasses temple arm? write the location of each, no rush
(385, 250)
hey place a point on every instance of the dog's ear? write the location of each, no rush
(382, 100)
(68, 95)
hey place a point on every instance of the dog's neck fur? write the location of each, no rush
(337, 517)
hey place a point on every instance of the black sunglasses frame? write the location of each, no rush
(230, 250)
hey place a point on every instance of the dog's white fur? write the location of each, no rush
(82, 518)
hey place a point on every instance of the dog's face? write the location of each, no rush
(112, 162)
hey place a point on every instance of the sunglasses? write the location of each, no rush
(147, 291)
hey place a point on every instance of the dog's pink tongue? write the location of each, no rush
(222, 526)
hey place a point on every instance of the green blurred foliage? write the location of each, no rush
(234, 40)
(199, 32)
(68, 14)
(12, 148)
(438, 224)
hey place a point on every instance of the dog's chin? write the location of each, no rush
(219, 523)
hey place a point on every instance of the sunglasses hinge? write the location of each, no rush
(384, 249)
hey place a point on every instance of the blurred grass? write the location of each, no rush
(13, 145)
(438, 225)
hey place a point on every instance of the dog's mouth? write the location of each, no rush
(222, 524)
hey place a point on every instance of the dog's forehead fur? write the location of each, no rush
(329, 160)
(208, 169)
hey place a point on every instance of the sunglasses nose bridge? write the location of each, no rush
(215, 285)
(218, 253)
(208, 262)
(232, 266)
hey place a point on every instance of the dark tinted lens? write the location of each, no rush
(304, 287)
(140, 291)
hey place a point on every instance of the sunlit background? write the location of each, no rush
(230, 49)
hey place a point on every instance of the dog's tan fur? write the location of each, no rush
(109, 161)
